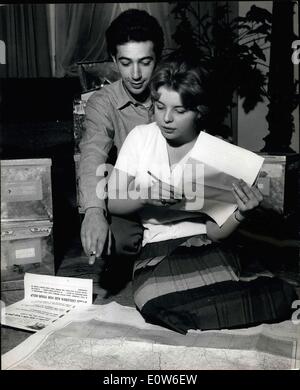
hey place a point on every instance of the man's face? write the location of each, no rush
(136, 61)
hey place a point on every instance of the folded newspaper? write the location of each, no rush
(46, 299)
(211, 169)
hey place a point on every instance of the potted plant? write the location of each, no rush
(231, 51)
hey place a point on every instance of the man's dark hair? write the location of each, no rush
(134, 25)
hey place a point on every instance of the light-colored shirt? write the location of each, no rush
(145, 149)
(111, 113)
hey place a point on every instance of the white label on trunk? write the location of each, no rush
(25, 253)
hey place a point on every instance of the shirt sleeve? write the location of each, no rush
(128, 158)
(94, 148)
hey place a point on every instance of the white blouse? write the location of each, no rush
(145, 149)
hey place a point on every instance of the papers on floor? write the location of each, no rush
(213, 166)
(46, 298)
(115, 337)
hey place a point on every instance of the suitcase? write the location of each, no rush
(278, 181)
(26, 220)
(26, 246)
(26, 190)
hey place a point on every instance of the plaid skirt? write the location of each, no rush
(184, 288)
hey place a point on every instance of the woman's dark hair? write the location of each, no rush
(134, 25)
(188, 80)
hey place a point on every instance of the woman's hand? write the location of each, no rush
(247, 198)
(162, 194)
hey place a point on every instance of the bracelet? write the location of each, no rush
(241, 216)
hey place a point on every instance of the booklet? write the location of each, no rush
(46, 299)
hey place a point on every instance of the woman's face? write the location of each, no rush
(176, 123)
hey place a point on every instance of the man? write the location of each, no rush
(135, 42)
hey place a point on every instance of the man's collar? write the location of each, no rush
(124, 98)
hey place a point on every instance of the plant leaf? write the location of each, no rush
(259, 15)
(257, 51)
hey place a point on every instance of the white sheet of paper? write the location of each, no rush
(46, 298)
(223, 164)
(225, 157)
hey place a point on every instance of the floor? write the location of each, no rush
(74, 264)
(10, 337)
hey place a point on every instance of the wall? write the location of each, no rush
(253, 127)
(61, 20)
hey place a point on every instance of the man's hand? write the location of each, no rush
(94, 233)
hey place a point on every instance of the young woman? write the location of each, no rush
(186, 276)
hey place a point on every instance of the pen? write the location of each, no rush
(154, 177)
(171, 188)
